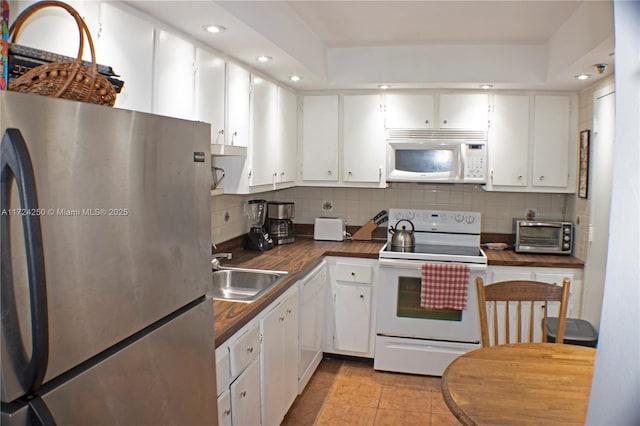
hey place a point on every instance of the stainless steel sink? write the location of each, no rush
(243, 285)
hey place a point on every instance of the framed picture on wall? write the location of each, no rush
(583, 171)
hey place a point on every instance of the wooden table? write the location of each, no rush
(522, 383)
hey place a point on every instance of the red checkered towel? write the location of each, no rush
(444, 286)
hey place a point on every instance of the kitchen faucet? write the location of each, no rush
(215, 260)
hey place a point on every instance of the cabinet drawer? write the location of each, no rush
(224, 409)
(354, 273)
(244, 350)
(223, 369)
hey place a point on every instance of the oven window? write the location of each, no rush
(544, 236)
(424, 160)
(409, 303)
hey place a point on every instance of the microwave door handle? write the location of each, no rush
(16, 166)
(533, 224)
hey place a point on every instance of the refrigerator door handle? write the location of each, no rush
(40, 414)
(15, 165)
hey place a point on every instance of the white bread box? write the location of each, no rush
(329, 229)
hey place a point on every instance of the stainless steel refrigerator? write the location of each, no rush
(105, 250)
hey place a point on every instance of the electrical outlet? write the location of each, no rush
(327, 206)
(530, 214)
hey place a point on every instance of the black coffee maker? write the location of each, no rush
(257, 237)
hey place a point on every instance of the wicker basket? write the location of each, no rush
(67, 80)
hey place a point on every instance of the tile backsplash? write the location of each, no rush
(358, 205)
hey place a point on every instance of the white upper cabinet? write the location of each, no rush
(174, 76)
(263, 149)
(463, 111)
(134, 63)
(409, 111)
(532, 143)
(287, 135)
(210, 92)
(363, 139)
(509, 141)
(238, 90)
(552, 141)
(320, 138)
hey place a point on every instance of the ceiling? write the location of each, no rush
(539, 44)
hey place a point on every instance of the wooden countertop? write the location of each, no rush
(523, 383)
(305, 253)
(510, 258)
(297, 259)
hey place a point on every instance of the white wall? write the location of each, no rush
(615, 391)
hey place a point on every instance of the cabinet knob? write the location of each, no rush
(221, 132)
(541, 177)
(350, 174)
(288, 311)
(362, 296)
(250, 349)
(281, 319)
(243, 394)
(444, 121)
(353, 274)
(520, 177)
(329, 172)
(426, 121)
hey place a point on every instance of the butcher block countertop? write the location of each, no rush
(297, 259)
(305, 253)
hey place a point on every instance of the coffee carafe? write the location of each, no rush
(257, 237)
(279, 223)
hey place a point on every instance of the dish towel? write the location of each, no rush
(444, 286)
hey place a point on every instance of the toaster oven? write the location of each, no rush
(538, 236)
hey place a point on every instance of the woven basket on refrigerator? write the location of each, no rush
(67, 80)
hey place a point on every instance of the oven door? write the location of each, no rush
(399, 313)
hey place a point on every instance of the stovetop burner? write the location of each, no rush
(438, 249)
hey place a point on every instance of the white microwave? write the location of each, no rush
(437, 160)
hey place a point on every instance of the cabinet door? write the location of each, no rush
(126, 44)
(287, 135)
(574, 289)
(290, 352)
(409, 111)
(224, 409)
(174, 76)
(352, 307)
(245, 396)
(263, 148)
(272, 355)
(238, 88)
(463, 111)
(509, 140)
(320, 138)
(551, 139)
(363, 138)
(210, 88)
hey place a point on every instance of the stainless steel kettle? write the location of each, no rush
(403, 239)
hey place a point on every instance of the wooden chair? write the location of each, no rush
(521, 291)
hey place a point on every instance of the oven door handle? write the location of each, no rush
(417, 265)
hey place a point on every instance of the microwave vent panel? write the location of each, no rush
(437, 134)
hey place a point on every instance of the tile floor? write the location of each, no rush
(351, 392)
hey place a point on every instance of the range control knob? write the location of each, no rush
(459, 218)
(411, 215)
(470, 219)
(567, 238)
(398, 215)
(566, 246)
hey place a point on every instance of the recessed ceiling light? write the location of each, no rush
(486, 86)
(264, 58)
(214, 28)
(384, 86)
(295, 78)
(582, 76)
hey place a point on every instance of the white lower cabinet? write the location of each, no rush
(224, 409)
(350, 323)
(279, 357)
(313, 287)
(238, 378)
(245, 397)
